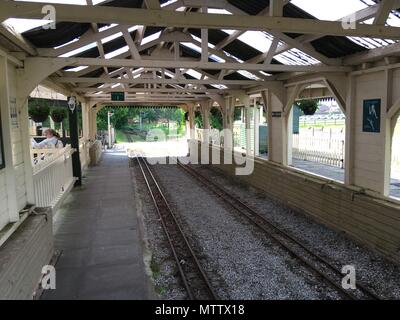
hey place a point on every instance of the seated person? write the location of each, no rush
(52, 140)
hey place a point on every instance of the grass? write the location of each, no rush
(155, 268)
(120, 137)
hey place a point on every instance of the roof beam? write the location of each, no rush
(276, 8)
(236, 34)
(132, 46)
(361, 15)
(373, 55)
(164, 18)
(17, 39)
(195, 65)
(149, 95)
(152, 4)
(385, 6)
(139, 90)
(271, 51)
(158, 81)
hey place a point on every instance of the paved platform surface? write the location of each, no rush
(97, 231)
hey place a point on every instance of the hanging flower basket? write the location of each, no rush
(58, 115)
(39, 113)
(309, 106)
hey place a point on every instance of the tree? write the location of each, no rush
(119, 119)
(216, 118)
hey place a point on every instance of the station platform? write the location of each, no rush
(97, 234)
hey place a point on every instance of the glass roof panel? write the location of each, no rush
(335, 10)
(256, 40)
(329, 10)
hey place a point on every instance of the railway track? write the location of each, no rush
(194, 278)
(313, 261)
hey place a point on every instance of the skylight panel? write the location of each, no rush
(79, 50)
(67, 43)
(151, 38)
(76, 69)
(228, 31)
(248, 75)
(330, 10)
(23, 25)
(195, 74)
(256, 40)
(219, 86)
(192, 46)
(218, 11)
(168, 3)
(95, 2)
(116, 52)
(210, 45)
(393, 20)
(216, 58)
(295, 57)
(107, 27)
(335, 10)
(112, 37)
(77, 2)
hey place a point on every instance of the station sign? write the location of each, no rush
(276, 114)
(117, 96)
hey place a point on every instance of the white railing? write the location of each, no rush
(319, 146)
(214, 136)
(198, 134)
(53, 177)
(84, 147)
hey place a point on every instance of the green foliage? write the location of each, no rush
(148, 118)
(58, 114)
(198, 119)
(39, 113)
(216, 119)
(308, 106)
(237, 114)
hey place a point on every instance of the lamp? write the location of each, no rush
(72, 103)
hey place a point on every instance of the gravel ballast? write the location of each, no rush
(240, 260)
(372, 269)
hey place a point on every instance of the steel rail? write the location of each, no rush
(165, 212)
(234, 202)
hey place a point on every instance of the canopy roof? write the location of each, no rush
(176, 63)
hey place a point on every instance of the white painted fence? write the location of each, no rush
(84, 147)
(52, 176)
(214, 136)
(323, 146)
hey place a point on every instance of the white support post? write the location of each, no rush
(289, 137)
(85, 121)
(350, 133)
(26, 147)
(267, 108)
(247, 126)
(7, 142)
(256, 129)
(191, 122)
